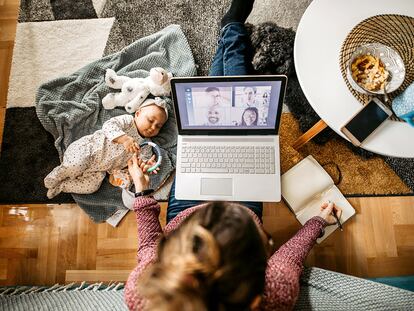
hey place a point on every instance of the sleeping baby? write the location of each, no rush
(87, 160)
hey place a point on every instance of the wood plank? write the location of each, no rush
(3, 268)
(9, 9)
(87, 236)
(404, 239)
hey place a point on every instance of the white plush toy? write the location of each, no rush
(135, 90)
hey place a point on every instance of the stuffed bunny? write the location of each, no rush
(135, 90)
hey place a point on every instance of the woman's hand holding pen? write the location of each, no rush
(329, 211)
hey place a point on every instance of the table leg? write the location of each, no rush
(312, 132)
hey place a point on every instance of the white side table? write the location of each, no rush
(321, 32)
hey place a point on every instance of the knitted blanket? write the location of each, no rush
(71, 107)
(320, 290)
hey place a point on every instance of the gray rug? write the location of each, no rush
(56, 38)
(319, 290)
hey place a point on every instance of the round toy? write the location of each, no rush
(128, 197)
(157, 151)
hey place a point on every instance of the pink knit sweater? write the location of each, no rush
(283, 268)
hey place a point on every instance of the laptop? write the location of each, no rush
(228, 142)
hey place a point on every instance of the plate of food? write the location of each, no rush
(373, 67)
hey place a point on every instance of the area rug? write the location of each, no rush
(55, 38)
(319, 290)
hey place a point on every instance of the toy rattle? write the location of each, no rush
(128, 197)
(157, 151)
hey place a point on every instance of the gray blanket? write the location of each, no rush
(320, 290)
(70, 107)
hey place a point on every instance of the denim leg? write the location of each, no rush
(234, 52)
(255, 207)
(216, 67)
(237, 51)
(176, 206)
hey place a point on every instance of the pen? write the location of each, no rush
(336, 217)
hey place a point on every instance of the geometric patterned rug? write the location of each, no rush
(55, 38)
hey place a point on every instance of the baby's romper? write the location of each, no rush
(86, 160)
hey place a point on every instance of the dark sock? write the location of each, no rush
(238, 12)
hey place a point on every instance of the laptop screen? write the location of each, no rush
(228, 105)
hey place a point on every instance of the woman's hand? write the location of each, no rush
(138, 170)
(327, 209)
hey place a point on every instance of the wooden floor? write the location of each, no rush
(47, 243)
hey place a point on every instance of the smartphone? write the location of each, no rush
(366, 121)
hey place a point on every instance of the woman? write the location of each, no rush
(250, 116)
(215, 256)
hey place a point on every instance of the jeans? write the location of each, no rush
(176, 206)
(233, 58)
(234, 53)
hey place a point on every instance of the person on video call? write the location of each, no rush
(216, 98)
(249, 96)
(216, 256)
(213, 116)
(250, 116)
(264, 108)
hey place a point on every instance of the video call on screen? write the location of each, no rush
(228, 105)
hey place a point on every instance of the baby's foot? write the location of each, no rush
(50, 182)
(51, 193)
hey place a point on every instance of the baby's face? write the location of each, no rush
(149, 120)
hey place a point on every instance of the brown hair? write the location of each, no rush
(215, 260)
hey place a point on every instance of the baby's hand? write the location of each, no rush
(129, 143)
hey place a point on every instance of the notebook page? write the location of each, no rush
(303, 182)
(312, 208)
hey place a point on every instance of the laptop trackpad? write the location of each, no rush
(217, 186)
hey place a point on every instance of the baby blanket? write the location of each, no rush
(71, 107)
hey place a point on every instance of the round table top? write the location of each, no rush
(320, 34)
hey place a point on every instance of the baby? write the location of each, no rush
(86, 160)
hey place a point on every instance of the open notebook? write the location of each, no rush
(306, 186)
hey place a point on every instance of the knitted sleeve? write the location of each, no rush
(285, 266)
(146, 211)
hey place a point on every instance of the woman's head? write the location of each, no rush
(215, 260)
(249, 116)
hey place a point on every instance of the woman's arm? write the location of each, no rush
(285, 266)
(146, 211)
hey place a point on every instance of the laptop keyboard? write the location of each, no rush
(228, 159)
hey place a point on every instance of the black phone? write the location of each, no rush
(366, 121)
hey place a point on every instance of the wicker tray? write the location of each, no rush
(395, 31)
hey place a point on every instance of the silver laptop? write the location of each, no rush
(228, 142)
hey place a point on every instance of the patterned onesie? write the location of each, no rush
(87, 159)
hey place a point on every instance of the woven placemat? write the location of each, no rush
(395, 31)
